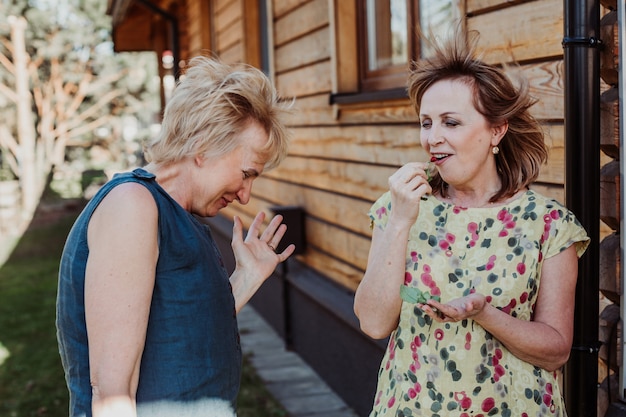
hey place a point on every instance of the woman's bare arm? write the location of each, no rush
(119, 282)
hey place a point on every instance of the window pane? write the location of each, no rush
(387, 38)
(436, 17)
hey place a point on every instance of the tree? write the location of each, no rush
(60, 84)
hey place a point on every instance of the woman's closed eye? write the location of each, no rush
(250, 173)
(451, 122)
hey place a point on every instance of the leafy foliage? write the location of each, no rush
(81, 93)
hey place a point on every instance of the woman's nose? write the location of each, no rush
(243, 195)
(435, 135)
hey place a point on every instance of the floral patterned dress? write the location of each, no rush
(459, 369)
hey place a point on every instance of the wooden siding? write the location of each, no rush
(341, 155)
(228, 30)
(505, 37)
(198, 29)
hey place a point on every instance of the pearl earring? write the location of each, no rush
(495, 150)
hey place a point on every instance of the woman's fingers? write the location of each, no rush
(255, 227)
(271, 236)
(410, 171)
(275, 239)
(286, 253)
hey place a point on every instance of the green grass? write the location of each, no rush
(31, 377)
(254, 400)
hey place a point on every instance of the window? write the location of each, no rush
(387, 40)
(385, 46)
(437, 17)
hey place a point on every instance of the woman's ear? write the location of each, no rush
(498, 133)
(199, 160)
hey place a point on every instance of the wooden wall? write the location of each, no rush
(342, 155)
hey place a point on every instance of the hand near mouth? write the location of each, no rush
(408, 185)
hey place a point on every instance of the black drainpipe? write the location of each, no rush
(173, 38)
(581, 45)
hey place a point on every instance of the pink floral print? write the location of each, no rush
(458, 369)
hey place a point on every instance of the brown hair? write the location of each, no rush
(522, 149)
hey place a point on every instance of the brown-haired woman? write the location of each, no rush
(470, 273)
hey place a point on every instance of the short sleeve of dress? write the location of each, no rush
(561, 230)
(379, 212)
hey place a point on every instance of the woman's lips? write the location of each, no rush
(437, 158)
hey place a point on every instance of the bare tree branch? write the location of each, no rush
(102, 101)
(7, 92)
(88, 127)
(4, 60)
(7, 141)
(108, 80)
(79, 96)
(6, 63)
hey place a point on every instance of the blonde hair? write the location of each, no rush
(522, 149)
(212, 103)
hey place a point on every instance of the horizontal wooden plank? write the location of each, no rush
(230, 35)
(343, 245)
(300, 21)
(610, 194)
(546, 85)
(233, 54)
(356, 180)
(282, 7)
(553, 171)
(198, 31)
(346, 178)
(340, 272)
(504, 37)
(395, 111)
(225, 16)
(388, 145)
(220, 5)
(609, 122)
(305, 81)
(311, 48)
(396, 145)
(609, 271)
(334, 209)
(311, 111)
(342, 210)
(481, 6)
(609, 54)
(245, 213)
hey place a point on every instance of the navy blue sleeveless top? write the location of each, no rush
(192, 353)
